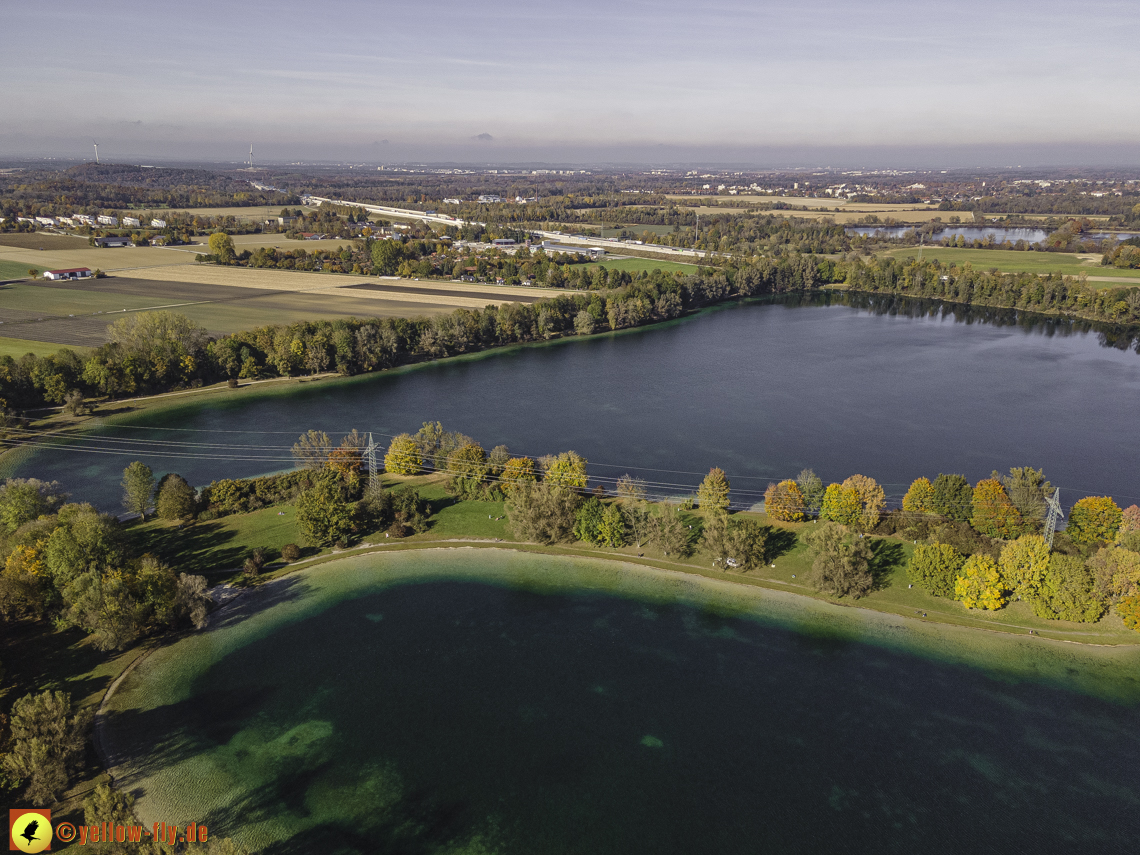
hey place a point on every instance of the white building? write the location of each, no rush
(132, 222)
(86, 219)
(105, 220)
(158, 224)
(69, 273)
(453, 201)
(46, 221)
(489, 199)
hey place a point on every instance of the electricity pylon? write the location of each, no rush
(370, 454)
(1055, 514)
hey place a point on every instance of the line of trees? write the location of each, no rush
(1052, 294)
(151, 352)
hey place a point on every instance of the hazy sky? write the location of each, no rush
(812, 81)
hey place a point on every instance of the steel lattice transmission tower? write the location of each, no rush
(370, 454)
(1055, 514)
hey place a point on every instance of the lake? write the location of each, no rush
(972, 233)
(886, 387)
(485, 701)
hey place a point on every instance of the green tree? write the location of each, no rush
(1094, 519)
(177, 500)
(979, 585)
(1067, 592)
(48, 738)
(784, 501)
(871, 501)
(25, 499)
(386, 256)
(841, 562)
(840, 505)
(611, 528)
(138, 488)
(324, 514)
(1023, 564)
(630, 489)
(105, 605)
(222, 247)
(919, 499)
(568, 469)
(712, 495)
(312, 449)
(403, 457)
(935, 567)
(1116, 573)
(953, 497)
(542, 512)
(668, 532)
(812, 489)
(994, 515)
(115, 807)
(517, 470)
(732, 542)
(1028, 490)
(588, 520)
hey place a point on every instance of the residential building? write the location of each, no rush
(132, 222)
(158, 224)
(105, 220)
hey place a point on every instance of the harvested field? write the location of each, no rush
(43, 240)
(295, 280)
(83, 255)
(389, 288)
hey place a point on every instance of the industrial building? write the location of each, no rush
(69, 273)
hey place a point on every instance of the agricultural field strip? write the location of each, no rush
(292, 280)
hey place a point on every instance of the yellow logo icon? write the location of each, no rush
(29, 830)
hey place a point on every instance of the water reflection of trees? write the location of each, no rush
(1112, 336)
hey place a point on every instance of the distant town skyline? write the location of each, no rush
(815, 83)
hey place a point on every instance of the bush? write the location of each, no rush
(290, 552)
(254, 562)
(232, 383)
(1129, 611)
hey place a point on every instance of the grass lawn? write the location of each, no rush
(13, 269)
(213, 548)
(1012, 261)
(636, 265)
(17, 347)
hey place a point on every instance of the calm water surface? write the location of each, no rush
(887, 388)
(499, 702)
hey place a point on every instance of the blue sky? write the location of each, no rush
(814, 82)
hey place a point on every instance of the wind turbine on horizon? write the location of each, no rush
(96, 150)
(251, 155)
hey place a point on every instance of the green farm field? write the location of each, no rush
(13, 269)
(636, 265)
(1012, 261)
(17, 347)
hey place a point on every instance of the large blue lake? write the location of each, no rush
(842, 383)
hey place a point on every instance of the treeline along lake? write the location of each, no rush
(889, 387)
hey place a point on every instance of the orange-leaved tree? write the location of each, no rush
(784, 501)
(994, 514)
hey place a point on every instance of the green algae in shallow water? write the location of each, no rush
(471, 715)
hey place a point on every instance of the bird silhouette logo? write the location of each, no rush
(29, 831)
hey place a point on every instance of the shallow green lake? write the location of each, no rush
(490, 701)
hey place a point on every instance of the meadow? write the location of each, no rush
(636, 265)
(1014, 261)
